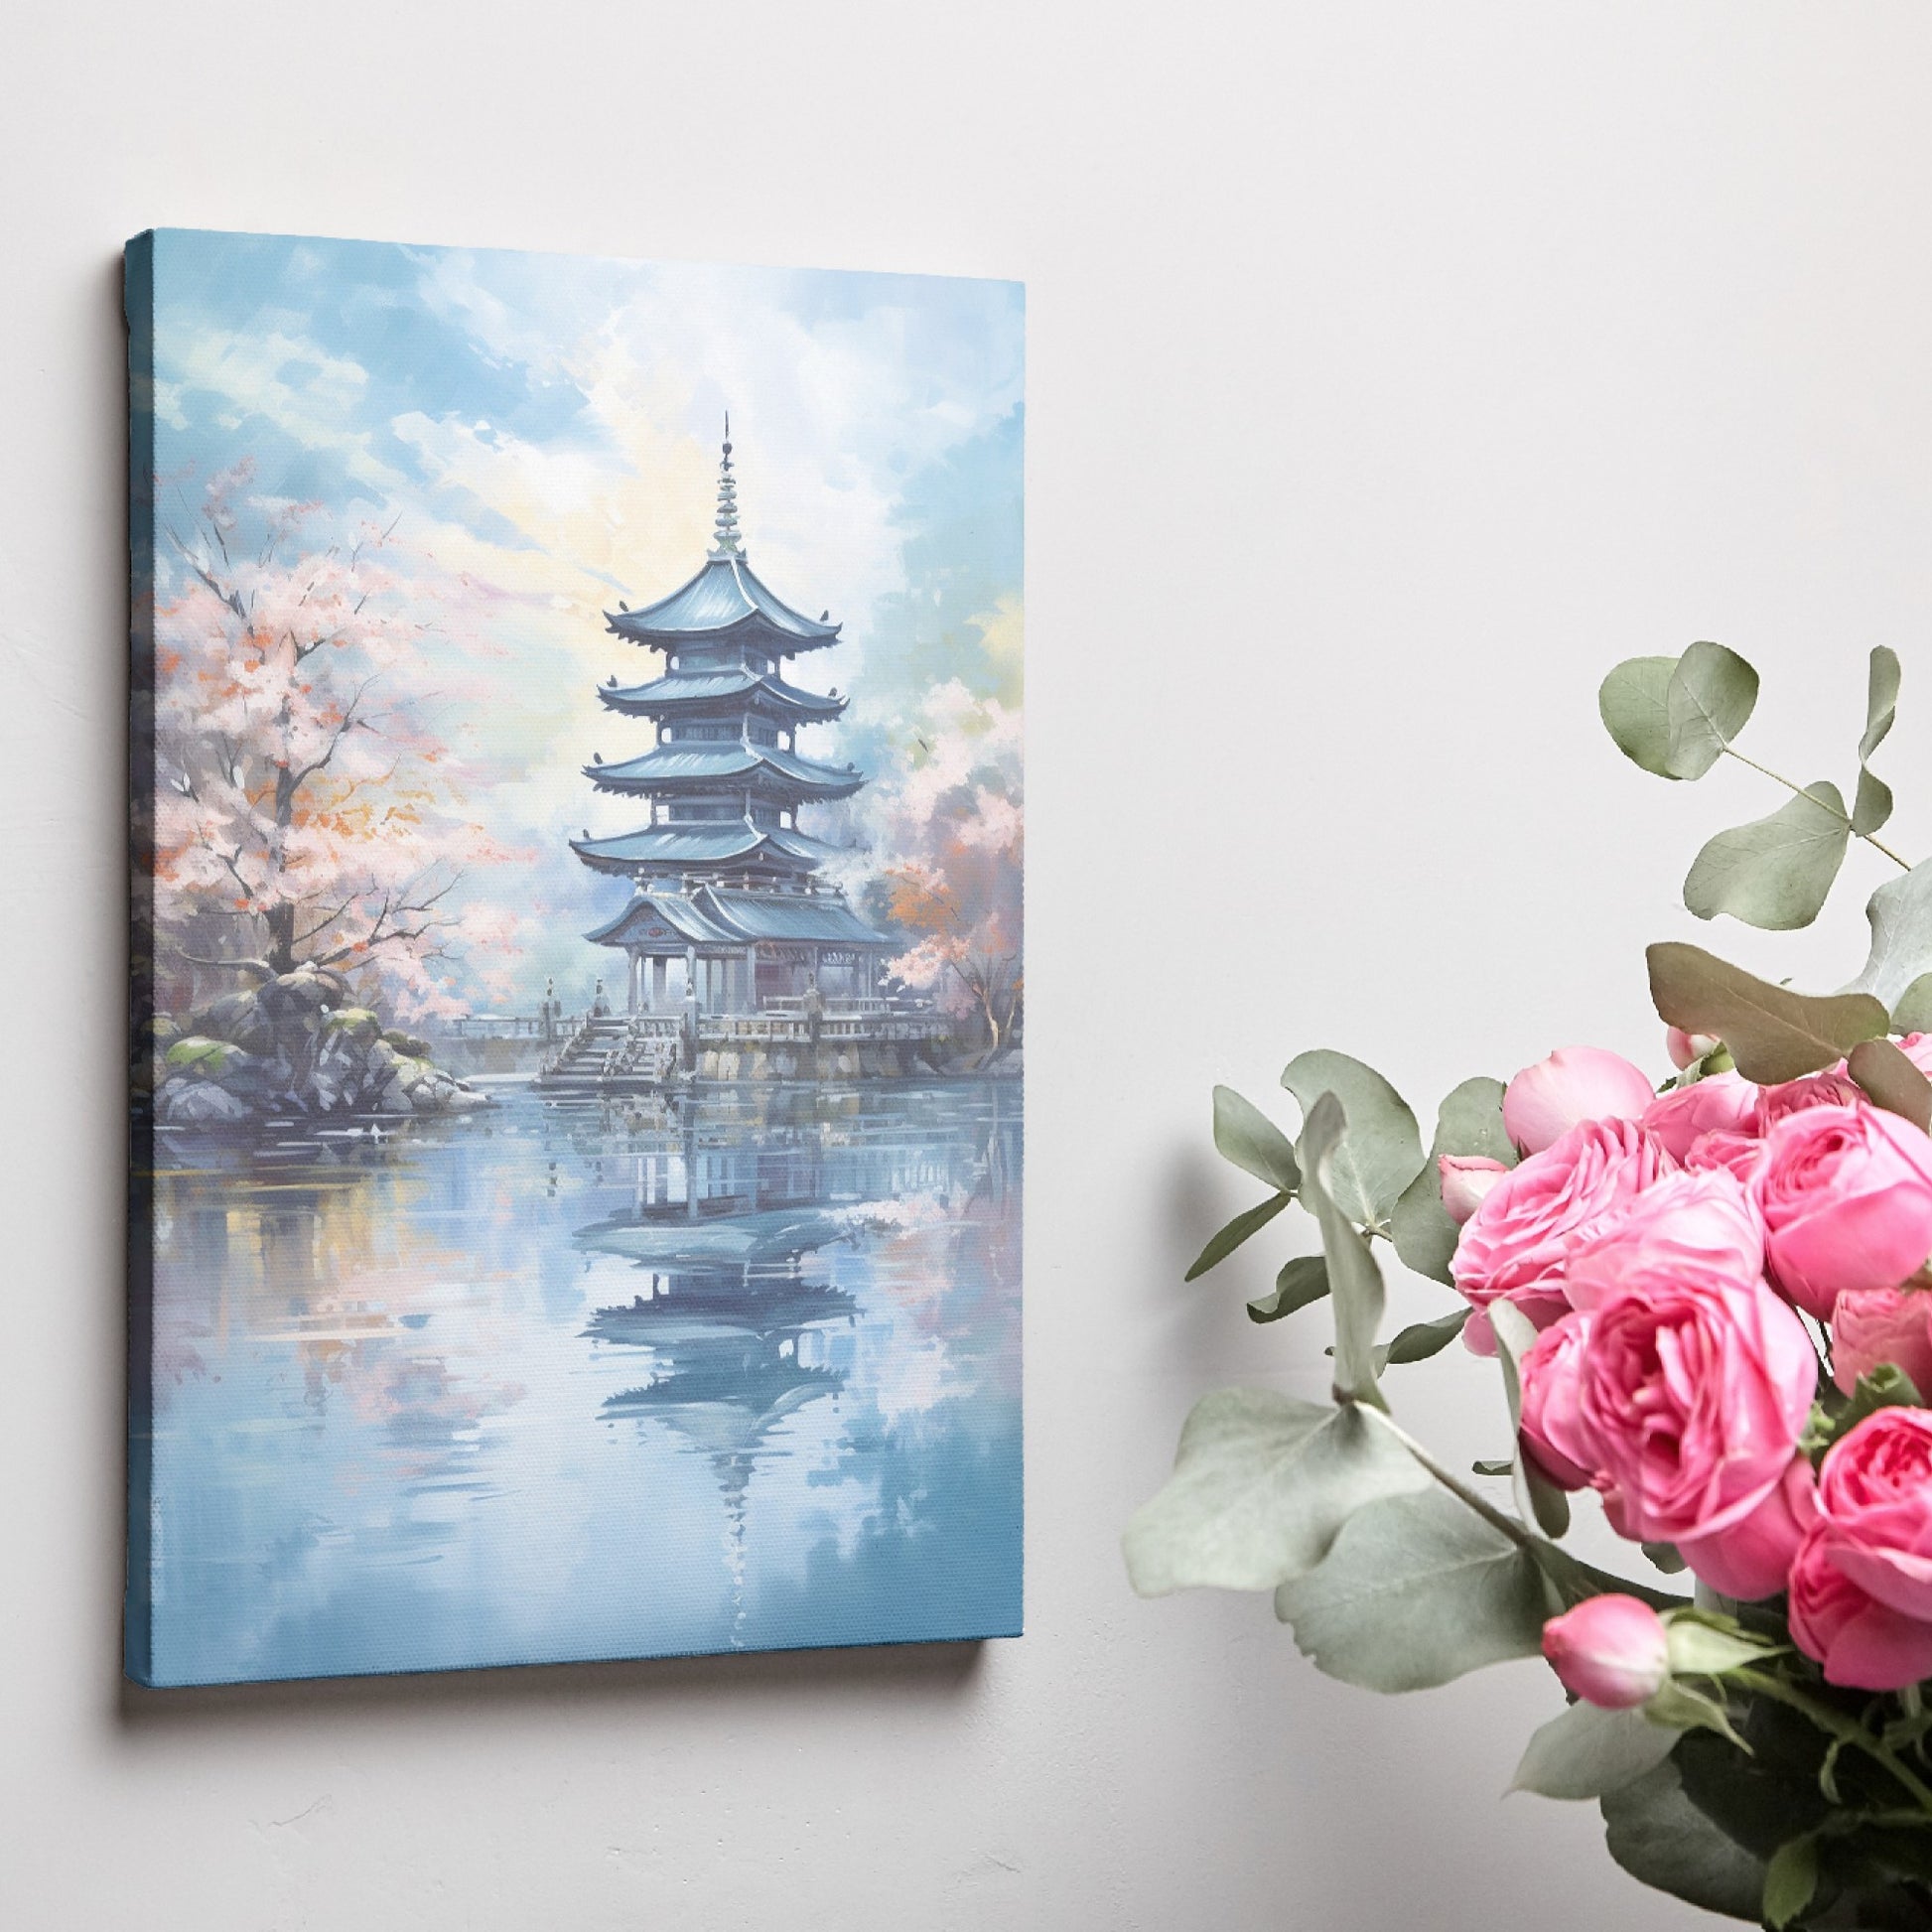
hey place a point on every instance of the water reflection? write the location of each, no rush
(572, 1382)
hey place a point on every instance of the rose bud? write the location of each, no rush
(1466, 1177)
(1686, 1049)
(1612, 1651)
(1575, 1083)
(1846, 1194)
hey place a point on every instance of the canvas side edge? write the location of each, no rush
(138, 302)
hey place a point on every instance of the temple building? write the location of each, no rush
(729, 911)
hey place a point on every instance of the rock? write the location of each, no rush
(211, 1058)
(353, 1023)
(197, 1103)
(407, 1045)
(239, 1019)
(160, 1030)
(304, 991)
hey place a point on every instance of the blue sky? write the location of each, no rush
(547, 426)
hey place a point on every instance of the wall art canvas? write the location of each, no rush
(578, 1001)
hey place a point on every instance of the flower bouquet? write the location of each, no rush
(1711, 1307)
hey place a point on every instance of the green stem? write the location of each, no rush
(1778, 777)
(1483, 1507)
(1834, 1724)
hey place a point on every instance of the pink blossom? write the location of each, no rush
(1737, 1155)
(1872, 1325)
(1863, 1643)
(1874, 1492)
(1685, 1226)
(1694, 1391)
(1720, 1103)
(1466, 1178)
(1752, 1556)
(1917, 1047)
(1552, 1429)
(1518, 1242)
(1575, 1085)
(1833, 1088)
(1846, 1194)
(1611, 1650)
(1686, 1049)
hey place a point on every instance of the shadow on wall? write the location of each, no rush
(933, 1674)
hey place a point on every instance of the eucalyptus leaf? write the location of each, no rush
(1354, 1280)
(1589, 1750)
(1707, 701)
(1224, 1243)
(1871, 806)
(1246, 1136)
(1381, 1151)
(1471, 1122)
(1666, 1555)
(1418, 1589)
(1772, 1034)
(1655, 1833)
(1262, 1484)
(1790, 1880)
(1537, 1499)
(1901, 914)
(1302, 1281)
(1632, 702)
(1422, 1339)
(1775, 873)
(1912, 1011)
(1891, 1082)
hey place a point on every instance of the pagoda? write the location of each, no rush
(729, 913)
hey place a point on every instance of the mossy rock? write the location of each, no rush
(353, 1023)
(209, 1057)
(407, 1045)
(160, 1030)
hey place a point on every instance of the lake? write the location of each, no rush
(735, 1369)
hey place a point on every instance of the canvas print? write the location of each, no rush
(579, 1009)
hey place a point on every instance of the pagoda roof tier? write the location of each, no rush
(725, 598)
(716, 915)
(793, 917)
(679, 768)
(689, 848)
(705, 690)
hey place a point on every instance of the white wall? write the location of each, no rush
(1393, 370)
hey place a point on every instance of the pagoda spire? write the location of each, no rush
(725, 531)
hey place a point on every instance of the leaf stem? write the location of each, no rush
(1834, 1724)
(1778, 777)
(1483, 1507)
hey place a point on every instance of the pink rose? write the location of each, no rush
(1686, 1049)
(1846, 1194)
(1575, 1083)
(1752, 1557)
(1553, 1429)
(1520, 1237)
(1687, 1226)
(1870, 1326)
(1737, 1154)
(1833, 1088)
(1861, 1643)
(1874, 1492)
(1466, 1177)
(1610, 1650)
(1720, 1103)
(1694, 1390)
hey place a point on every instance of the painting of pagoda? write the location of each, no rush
(742, 961)
(578, 1034)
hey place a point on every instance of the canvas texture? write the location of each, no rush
(578, 1009)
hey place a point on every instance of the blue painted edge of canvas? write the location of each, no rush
(138, 303)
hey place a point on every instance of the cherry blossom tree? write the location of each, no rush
(307, 809)
(954, 816)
